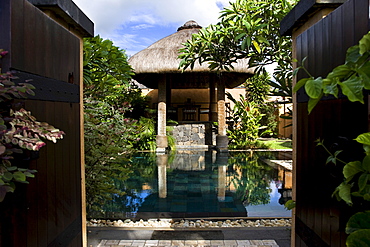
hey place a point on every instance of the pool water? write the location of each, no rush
(204, 184)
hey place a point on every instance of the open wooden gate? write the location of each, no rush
(319, 219)
(45, 45)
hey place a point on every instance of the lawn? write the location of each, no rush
(278, 144)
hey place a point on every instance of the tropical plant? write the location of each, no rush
(247, 29)
(19, 131)
(351, 79)
(257, 89)
(244, 123)
(107, 73)
(282, 87)
(146, 134)
(112, 102)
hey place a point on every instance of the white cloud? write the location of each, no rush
(129, 23)
(141, 26)
(108, 15)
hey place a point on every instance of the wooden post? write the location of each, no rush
(221, 138)
(162, 142)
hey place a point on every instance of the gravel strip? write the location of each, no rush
(191, 223)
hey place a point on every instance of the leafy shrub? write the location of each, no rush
(146, 134)
(19, 131)
(109, 138)
(244, 124)
(257, 89)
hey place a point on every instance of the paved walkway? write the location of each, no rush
(189, 243)
(248, 237)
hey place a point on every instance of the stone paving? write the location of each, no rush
(189, 243)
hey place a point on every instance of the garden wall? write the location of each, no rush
(194, 134)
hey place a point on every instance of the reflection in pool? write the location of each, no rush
(204, 184)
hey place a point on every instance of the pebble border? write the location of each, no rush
(186, 223)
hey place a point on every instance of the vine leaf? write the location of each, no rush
(344, 192)
(314, 87)
(340, 72)
(352, 88)
(351, 169)
(290, 204)
(313, 102)
(359, 238)
(353, 54)
(3, 190)
(364, 73)
(362, 181)
(366, 163)
(300, 84)
(364, 138)
(330, 87)
(360, 220)
(364, 44)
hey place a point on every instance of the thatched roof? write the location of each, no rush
(162, 58)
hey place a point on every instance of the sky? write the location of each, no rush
(133, 25)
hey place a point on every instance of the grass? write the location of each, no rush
(278, 144)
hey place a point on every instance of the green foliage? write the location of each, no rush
(358, 228)
(109, 137)
(107, 73)
(146, 134)
(290, 204)
(257, 90)
(356, 175)
(247, 29)
(278, 144)
(107, 76)
(352, 77)
(169, 130)
(360, 220)
(19, 131)
(112, 101)
(244, 124)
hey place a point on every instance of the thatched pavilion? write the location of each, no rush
(157, 67)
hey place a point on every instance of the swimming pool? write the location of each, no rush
(204, 184)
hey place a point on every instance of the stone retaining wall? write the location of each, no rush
(193, 134)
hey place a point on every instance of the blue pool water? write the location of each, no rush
(204, 184)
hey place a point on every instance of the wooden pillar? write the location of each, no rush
(221, 138)
(162, 143)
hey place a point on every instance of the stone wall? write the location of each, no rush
(193, 134)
